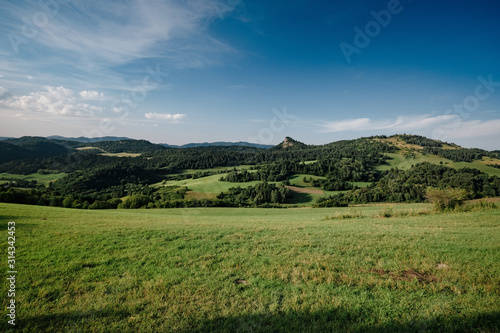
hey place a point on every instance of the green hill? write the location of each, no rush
(290, 144)
(30, 148)
(126, 146)
(358, 171)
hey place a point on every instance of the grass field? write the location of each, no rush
(399, 161)
(121, 154)
(209, 185)
(253, 270)
(42, 179)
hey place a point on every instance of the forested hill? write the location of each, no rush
(30, 148)
(102, 174)
(37, 147)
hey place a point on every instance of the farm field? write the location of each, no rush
(259, 270)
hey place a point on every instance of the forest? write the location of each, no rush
(260, 177)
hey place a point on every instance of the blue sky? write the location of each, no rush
(235, 70)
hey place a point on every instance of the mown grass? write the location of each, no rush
(259, 270)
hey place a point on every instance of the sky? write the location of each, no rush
(234, 70)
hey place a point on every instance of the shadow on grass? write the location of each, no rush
(300, 198)
(343, 321)
(79, 321)
(336, 320)
(4, 223)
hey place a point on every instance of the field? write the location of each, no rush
(208, 187)
(41, 179)
(254, 270)
(399, 161)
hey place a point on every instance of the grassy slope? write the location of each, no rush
(209, 187)
(42, 179)
(204, 270)
(210, 184)
(399, 161)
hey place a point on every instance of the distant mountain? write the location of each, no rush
(289, 143)
(188, 145)
(30, 147)
(220, 144)
(5, 138)
(127, 146)
(89, 140)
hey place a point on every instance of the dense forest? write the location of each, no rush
(93, 180)
(410, 185)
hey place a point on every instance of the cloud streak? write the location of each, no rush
(165, 116)
(119, 32)
(402, 123)
(471, 129)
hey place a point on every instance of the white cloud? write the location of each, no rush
(401, 123)
(91, 94)
(165, 116)
(58, 101)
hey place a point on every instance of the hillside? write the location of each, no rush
(398, 168)
(127, 146)
(88, 140)
(289, 143)
(220, 144)
(30, 148)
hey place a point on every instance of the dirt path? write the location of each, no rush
(304, 190)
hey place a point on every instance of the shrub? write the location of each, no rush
(477, 206)
(449, 198)
(343, 215)
(387, 212)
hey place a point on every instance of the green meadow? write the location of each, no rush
(378, 268)
(399, 161)
(44, 179)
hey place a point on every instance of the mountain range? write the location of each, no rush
(188, 145)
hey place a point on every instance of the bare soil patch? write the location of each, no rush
(304, 190)
(406, 275)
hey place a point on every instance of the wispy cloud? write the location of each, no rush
(402, 123)
(165, 116)
(471, 129)
(118, 32)
(3, 92)
(107, 44)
